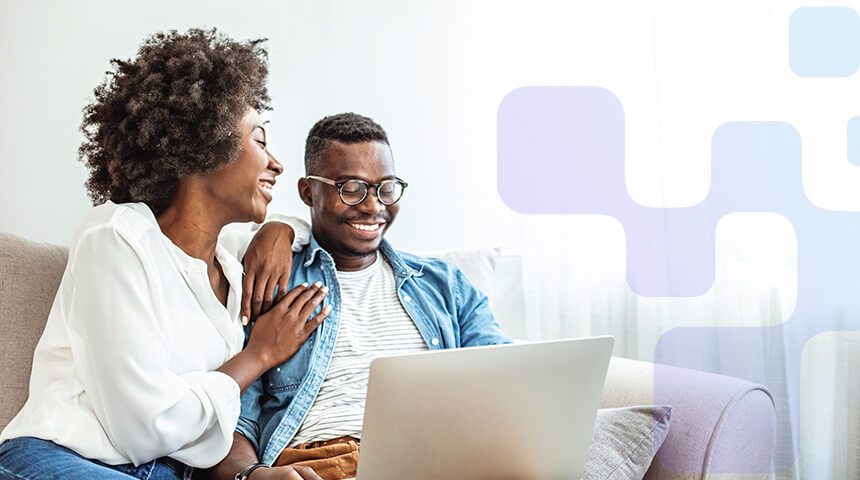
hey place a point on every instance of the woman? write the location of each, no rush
(140, 367)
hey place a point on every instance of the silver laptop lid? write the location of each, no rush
(523, 411)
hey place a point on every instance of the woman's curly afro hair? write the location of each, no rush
(172, 111)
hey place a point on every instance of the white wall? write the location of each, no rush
(412, 68)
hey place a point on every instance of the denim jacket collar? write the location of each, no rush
(314, 248)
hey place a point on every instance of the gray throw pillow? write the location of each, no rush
(625, 441)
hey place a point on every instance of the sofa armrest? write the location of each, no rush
(722, 427)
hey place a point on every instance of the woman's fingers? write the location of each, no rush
(303, 298)
(311, 304)
(269, 294)
(291, 296)
(282, 287)
(315, 322)
(247, 289)
(300, 302)
(258, 298)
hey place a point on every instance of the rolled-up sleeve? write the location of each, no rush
(477, 324)
(237, 239)
(121, 350)
(301, 229)
(249, 419)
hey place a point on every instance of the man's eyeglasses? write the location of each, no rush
(354, 191)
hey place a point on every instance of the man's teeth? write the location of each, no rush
(366, 228)
(266, 186)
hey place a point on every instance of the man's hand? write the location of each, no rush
(284, 473)
(242, 454)
(267, 264)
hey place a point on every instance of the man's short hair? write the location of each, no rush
(345, 128)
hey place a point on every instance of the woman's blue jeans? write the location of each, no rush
(29, 458)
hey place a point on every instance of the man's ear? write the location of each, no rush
(305, 191)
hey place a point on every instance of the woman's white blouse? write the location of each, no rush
(124, 372)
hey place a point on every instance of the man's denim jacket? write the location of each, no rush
(447, 309)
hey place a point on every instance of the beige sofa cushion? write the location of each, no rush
(30, 274)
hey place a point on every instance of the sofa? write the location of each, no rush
(721, 427)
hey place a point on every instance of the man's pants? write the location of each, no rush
(332, 460)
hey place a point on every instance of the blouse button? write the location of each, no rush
(435, 341)
(406, 298)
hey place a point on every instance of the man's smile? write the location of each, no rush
(367, 227)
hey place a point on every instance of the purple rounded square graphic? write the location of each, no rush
(560, 149)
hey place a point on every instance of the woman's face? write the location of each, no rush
(243, 187)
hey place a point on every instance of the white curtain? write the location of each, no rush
(575, 269)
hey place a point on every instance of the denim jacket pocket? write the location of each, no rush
(289, 375)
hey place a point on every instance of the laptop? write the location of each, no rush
(508, 412)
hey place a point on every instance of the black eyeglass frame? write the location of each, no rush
(339, 186)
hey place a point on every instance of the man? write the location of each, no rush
(308, 412)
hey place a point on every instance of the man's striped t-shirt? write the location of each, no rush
(373, 322)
